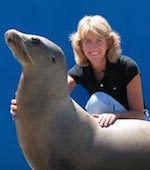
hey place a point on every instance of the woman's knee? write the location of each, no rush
(101, 102)
(98, 103)
(99, 96)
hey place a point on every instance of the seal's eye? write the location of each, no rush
(35, 40)
(53, 59)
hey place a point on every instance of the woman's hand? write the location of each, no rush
(105, 119)
(13, 107)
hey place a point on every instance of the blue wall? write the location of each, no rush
(56, 19)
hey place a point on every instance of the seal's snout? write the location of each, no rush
(10, 34)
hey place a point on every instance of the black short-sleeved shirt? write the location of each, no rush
(116, 78)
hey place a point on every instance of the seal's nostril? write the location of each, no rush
(7, 36)
(35, 40)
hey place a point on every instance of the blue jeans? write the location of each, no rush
(101, 102)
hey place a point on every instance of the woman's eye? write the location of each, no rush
(35, 40)
(87, 41)
(99, 41)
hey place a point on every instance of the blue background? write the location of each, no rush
(56, 19)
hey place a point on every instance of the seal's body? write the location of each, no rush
(54, 132)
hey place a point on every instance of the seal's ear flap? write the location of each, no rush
(35, 40)
(53, 59)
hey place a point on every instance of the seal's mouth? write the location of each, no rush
(17, 45)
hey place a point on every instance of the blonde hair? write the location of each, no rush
(101, 28)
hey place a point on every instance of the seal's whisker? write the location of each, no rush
(26, 53)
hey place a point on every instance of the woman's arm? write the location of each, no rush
(71, 83)
(135, 99)
(13, 107)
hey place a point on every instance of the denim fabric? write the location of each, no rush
(146, 115)
(101, 102)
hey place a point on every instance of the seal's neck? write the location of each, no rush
(46, 79)
(43, 84)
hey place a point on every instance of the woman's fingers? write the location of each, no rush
(105, 119)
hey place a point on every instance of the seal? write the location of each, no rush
(54, 132)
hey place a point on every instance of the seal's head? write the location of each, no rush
(33, 50)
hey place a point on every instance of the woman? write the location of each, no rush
(112, 80)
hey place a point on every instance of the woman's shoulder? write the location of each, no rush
(77, 69)
(129, 66)
(126, 60)
(124, 64)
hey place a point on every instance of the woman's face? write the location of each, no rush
(94, 48)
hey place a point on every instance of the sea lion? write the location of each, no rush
(54, 132)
